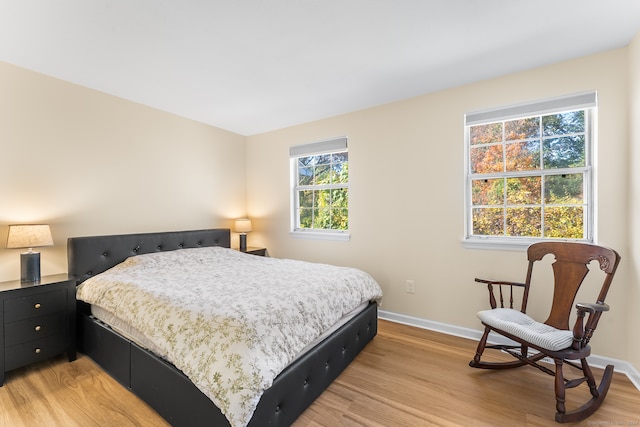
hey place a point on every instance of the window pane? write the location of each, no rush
(522, 129)
(565, 152)
(340, 157)
(564, 221)
(487, 192)
(488, 221)
(564, 123)
(306, 161)
(524, 191)
(323, 159)
(323, 175)
(524, 222)
(340, 219)
(485, 134)
(306, 198)
(306, 217)
(486, 159)
(522, 156)
(323, 198)
(339, 173)
(340, 198)
(322, 218)
(564, 189)
(305, 175)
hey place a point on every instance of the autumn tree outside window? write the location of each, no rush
(320, 183)
(529, 172)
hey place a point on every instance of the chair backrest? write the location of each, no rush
(569, 270)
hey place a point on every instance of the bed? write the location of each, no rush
(148, 374)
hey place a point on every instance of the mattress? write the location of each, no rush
(134, 335)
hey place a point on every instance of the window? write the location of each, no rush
(320, 198)
(529, 172)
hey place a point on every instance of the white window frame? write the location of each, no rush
(582, 101)
(329, 146)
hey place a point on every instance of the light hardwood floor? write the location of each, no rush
(405, 377)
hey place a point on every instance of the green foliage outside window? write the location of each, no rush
(522, 183)
(323, 197)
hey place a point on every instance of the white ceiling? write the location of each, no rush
(251, 66)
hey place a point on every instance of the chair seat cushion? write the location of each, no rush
(522, 326)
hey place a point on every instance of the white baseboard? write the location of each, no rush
(594, 360)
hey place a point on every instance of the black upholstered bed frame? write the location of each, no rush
(164, 387)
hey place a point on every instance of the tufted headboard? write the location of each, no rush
(88, 256)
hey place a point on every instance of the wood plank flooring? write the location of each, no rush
(405, 377)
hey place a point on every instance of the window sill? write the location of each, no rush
(319, 235)
(513, 244)
(495, 245)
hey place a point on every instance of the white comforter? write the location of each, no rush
(230, 321)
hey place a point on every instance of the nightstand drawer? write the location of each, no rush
(34, 305)
(34, 328)
(33, 351)
(39, 321)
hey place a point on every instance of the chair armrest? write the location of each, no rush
(592, 308)
(582, 333)
(500, 283)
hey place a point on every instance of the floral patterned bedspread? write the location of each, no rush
(230, 321)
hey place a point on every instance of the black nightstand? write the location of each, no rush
(256, 251)
(38, 321)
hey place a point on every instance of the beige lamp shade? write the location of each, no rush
(242, 225)
(29, 236)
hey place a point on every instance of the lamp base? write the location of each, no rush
(243, 243)
(30, 267)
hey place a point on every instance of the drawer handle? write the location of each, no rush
(37, 328)
(37, 305)
(38, 351)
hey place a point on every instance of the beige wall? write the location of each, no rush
(89, 163)
(406, 194)
(633, 296)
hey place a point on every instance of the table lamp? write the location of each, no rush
(242, 226)
(29, 236)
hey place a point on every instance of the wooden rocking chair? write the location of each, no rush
(553, 339)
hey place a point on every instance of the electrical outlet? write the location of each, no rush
(410, 286)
